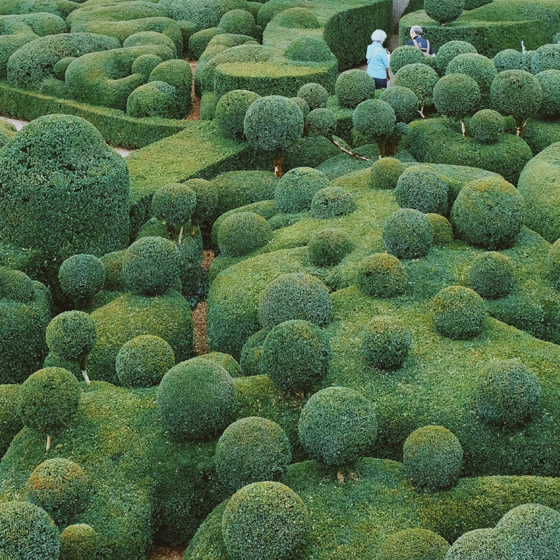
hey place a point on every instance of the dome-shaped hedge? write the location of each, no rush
(508, 59)
(432, 457)
(265, 521)
(458, 313)
(422, 189)
(413, 544)
(374, 119)
(385, 173)
(252, 450)
(443, 231)
(480, 544)
(554, 264)
(196, 399)
(491, 275)
(448, 51)
(251, 354)
(78, 542)
(315, 95)
(296, 355)
(408, 234)
(489, 213)
(354, 86)
(228, 362)
(546, 57)
(71, 335)
(332, 202)
(486, 126)
(420, 78)
(456, 96)
(174, 204)
(402, 99)
(144, 65)
(231, 110)
(507, 392)
(381, 275)
(295, 296)
(154, 99)
(81, 276)
(337, 426)
(515, 92)
(480, 68)
(16, 286)
(444, 11)
(240, 22)
(296, 189)
(321, 122)
(386, 342)
(308, 49)
(242, 233)
(329, 246)
(404, 55)
(549, 80)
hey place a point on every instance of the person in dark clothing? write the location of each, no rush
(416, 40)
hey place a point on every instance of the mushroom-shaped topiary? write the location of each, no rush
(432, 457)
(78, 542)
(81, 277)
(448, 51)
(59, 486)
(321, 122)
(174, 204)
(252, 450)
(479, 68)
(404, 55)
(443, 231)
(228, 362)
(554, 264)
(385, 173)
(296, 189)
(329, 246)
(444, 11)
(403, 100)
(420, 188)
(196, 399)
(413, 544)
(408, 234)
(421, 79)
(143, 361)
(28, 533)
(295, 295)
(486, 126)
(242, 233)
(375, 120)
(48, 399)
(507, 392)
(265, 521)
(381, 275)
(491, 275)
(315, 95)
(549, 81)
(386, 342)
(302, 104)
(457, 96)
(337, 426)
(480, 544)
(546, 57)
(296, 355)
(489, 213)
(206, 200)
(354, 86)
(240, 22)
(458, 313)
(16, 286)
(231, 110)
(150, 266)
(332, 202)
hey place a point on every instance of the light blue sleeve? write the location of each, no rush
(384, 57)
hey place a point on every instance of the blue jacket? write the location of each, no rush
(378, 61)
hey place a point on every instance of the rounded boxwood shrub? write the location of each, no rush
(78, 542)
(174, 204)
(517, 93)
(403, 101)
(196, 399)
(549, 81)
(251, 354)
(491, 275)
(242, 233)
(444, 11)
(507, 392)
(422, 189)
(154, 99)
(265, 521)
(16, 286)
(28, 533)
(206, 200)
(227, 361)
(144, 64)
(420, 78)
(308, 49)
(251, 450)
(385, 173)
(81, 276)
(297, 17)
(456, 96)
(230, 112)
(408, 234)
(337, 426)
(59, 69)
(302, 104)
(296, 295)
(296, 189)
(315, 95)
(404, 55)
(546, 57)
(413, 544)
(240, 22)
(448, 51)
(374, 119)
(71, 335)
(296, 355)
(458, 313)
(321, 122)
(432, 457)
(480, 68)
(329, 246)
(60, 487)
(554, 264)
(508, 59)
(332, 202)
(10, 422)
(489, 213)
(150, 266)
(443, 231)
(354, 86)
(486, 126)
(143, 361)
(386, 342)
(381, 275)
(480, 544)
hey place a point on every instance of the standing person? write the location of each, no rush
(416, 40)
(378, 59)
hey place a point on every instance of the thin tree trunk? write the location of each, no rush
(48, 442)
(346, 151)
(278, 161)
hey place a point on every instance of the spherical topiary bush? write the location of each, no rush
(448, 51)
(337, 426)
(508, 59)
(444, 11)
(228, 362)
(16, 286)
(206, 200)
(458, 313)
(374, 119)
(422, 189)
(150, 266)
(480, 544)
(308, 49)
(507, 392)
(240, 22)
(549, 81)
(144, 64)
(59, 486)
(265, 521)
(295, 295)
(443, 231)
(81, 276)
(177, 73)
(302, 104)
(297, 17)
(413, 544)
(546, 57)
(143, 361)
(354, 86)
(296, 355)
(251, 354)
(480, 68)
(296, 189)
(385, 173)
(381, 275)
(491, 275)
(403, 101)
(554, 264)
(419, 78)
(432, 457)
(78, 542)
(71, 335)
(517, 93)
(408, 234)
(28, 533)
(332, 202)
(486, 126)
(196, 399)
(273, 123)
(230, 112)
(154, 99)
(315, 95)
(321, 122)
(407, 54)
(489, 213)
(386, 342)
(174, 204)
(456, 96)
(242, 233)
(252, 450)
(329, 246)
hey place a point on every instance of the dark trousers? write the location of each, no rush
(380, 83)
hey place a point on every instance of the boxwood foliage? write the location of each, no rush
(231, 110)
(314, 94)
(480, 544)
(491, 275)
(332, 202)
(554, 264)
(354, 86)
(71, 335)
(329, 246)
(321, 122)
(385, 173)
(403, 101)
(448, 51)
(308, 49)
(381, 275)
(154, 99)
(386, 342)
(546, 57)
(228, 362)
(420, 78)
(480, 68)
(10, 422)
(456, 96)
(81, 277)
(242, 233)
(549, 81)
(408, 234)
(200, 12)
(296, 189)
(443, 230)
(413, 544)
(78, 542)
(486, 126)
(444, 11)
(422, 189)
(404, 55)
(374, 119)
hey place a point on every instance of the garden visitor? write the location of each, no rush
(416, 40)
(378, 59)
